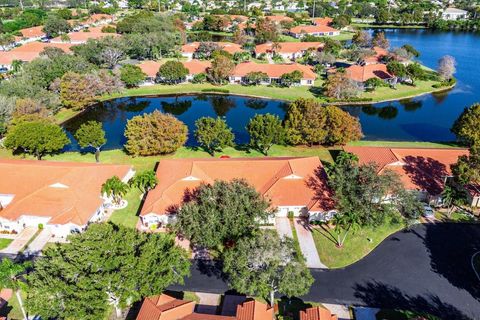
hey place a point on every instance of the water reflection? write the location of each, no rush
(256, 104)
(176, 108)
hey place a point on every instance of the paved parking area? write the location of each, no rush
(283, 226)
(19, 243)
(35, 247)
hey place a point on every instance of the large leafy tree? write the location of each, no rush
(75, 91)
(154, 133)
(265, 131)
(91, 134)
(172, 72)
(115, 188)
(131, 75)
(467, 168)
(339, 86)
(220, 213)
(291, 78)
(144, 181)
(467, 126)
(107, 265)
(37, 138)
(308, 122)
(213, 134)
(265, 265)
(221, 68)
(10, 273)
(55, 25)
(265, 31)
(360, 191)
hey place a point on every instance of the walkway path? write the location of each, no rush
(19, 243)
(342, 311)
(284, 229)
(208, 303)
(307, 244)
(35, 247)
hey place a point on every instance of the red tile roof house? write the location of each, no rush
(421, 170)
(362, 73)
(326, 21)
(190, 48)
(28, 52)
(31, 34)
(291, 184)
(288, 50)
(165, 307)
(313, 30)
(79, 37)
(150, 68)
(274, 72)
(278, 19)
(64, 197)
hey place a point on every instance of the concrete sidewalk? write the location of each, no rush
(307, 244)
(284, 229)
(19, 243)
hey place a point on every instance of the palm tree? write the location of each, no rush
(448, 198)
(144, 181)
(10, 278)
(115, 188)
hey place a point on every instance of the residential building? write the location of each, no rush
(377, 57)
(313, 30)
(278, 19)
(362, 73)
(28, 52)
(325, 21)
(165, 307)
(188, 50)
(296, 185)
(150, 68)
(454, 14)
(61, 196)
(288, 50)
(31, 34)
(82, 36)
(273, 71)
(421, 170)
(317, 313)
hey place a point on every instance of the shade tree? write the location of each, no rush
(466, 128)
(213, 134)
(91, 134)
(265, 130)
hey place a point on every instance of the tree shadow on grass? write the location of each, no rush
(376, 294)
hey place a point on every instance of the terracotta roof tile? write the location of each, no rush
(33, 32)
(326, 21)
(279, 18)
(254, 310)
(312, 29)
(317, 313)
(363, 73)
(194, 66)
(65, 192)
(30, 51)
(273, 70)
(285, 181)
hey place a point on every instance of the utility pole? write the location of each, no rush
(313, 11)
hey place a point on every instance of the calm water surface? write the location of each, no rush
(426, 118)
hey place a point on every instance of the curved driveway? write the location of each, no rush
(427, 268)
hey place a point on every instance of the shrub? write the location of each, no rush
(154, 133)
(199, 78)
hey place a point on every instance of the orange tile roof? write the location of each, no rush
(288, 47)
(317, 313)
(97, 17)
(312, 29)
(279, 18)
(65, 192)
(363, 73)
(33, 32)
(418, 168)
(377, 57)
(194, 66)
(83, 36)
(227, 46)
(326, 21)
(273, 70)
(30, 51)
(285, 181)
(254, 310)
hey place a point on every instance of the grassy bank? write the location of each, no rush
(5, 243)
(357, 244)
(385, 26)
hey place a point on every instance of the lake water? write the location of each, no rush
(426, 118)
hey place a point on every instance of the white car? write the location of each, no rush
(428, 211)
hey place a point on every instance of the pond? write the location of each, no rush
(425, 118)
(237, 111)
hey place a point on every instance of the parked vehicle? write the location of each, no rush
(428, 211)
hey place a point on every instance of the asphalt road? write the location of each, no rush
(426, 269)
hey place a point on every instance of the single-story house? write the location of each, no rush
(362, 73)
(288, 50)
(313, 30)
(297, 185)
(190, 48)
(454, 14)
(379, 54)
(63, 197)
(150, 68)
(79, 37)
(325, 21)
(422, 170)
(99, 19)
(28, 52)
(165, 307)
(31, 34)
(278, 19)
(273, 71)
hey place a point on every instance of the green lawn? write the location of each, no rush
(4, 243)
(356, 246)
(12, 308)
(344, 36)
(128, 216)
(385, 26)
(454, 217)
(402, 91)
